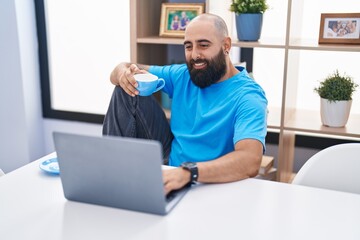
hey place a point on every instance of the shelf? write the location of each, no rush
(262, 43)
(160, 40)
(274, 118)
(312, 44)
(310, 122)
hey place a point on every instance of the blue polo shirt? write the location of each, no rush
(208, 122)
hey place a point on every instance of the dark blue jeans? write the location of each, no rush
(138, 117)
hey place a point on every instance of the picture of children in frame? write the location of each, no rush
(178, 20)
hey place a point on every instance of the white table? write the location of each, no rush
(32, 206)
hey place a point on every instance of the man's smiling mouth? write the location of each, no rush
(199, 65)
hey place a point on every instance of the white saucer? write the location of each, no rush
(50, 165)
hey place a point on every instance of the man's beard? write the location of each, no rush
(214, 70)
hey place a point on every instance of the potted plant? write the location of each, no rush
(249, 18)
(336, 99)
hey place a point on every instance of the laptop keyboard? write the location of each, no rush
(171, 195)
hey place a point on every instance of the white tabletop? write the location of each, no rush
(32, 206)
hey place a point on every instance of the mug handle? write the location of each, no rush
(161, 84)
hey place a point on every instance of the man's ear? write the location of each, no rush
(226, 44)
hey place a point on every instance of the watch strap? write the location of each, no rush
(193, 169)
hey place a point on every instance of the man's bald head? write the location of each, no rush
(216, 21)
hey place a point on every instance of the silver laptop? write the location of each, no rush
(114, 171)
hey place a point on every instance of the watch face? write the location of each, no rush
(189, 164)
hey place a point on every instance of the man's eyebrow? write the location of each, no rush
(203, 41)
(198, 41)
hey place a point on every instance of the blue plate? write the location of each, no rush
(50, 165)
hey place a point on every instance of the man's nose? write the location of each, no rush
(195, 55)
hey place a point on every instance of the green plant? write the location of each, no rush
(248, 6)
(337, 87)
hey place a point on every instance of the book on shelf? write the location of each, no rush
(270, 175)
(267, 163)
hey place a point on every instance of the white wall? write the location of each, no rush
(21, 138)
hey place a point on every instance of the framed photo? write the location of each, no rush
(176, 16)
(340, 28)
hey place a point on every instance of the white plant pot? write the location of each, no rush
(335, 113)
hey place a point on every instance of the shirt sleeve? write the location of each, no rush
(170, 73)
(251, 117)
(165, 73)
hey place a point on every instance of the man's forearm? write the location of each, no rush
(234, 166)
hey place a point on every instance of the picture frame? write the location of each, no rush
(175, 17)
(343, 28)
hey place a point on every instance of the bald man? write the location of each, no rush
(218, 119)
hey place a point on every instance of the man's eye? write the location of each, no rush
(187, 46)
(204, 45)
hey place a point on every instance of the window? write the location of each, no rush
(80, 42)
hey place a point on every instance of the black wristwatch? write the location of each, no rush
(193, 169)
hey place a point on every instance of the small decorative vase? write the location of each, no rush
(248, 26)
(335, 114)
